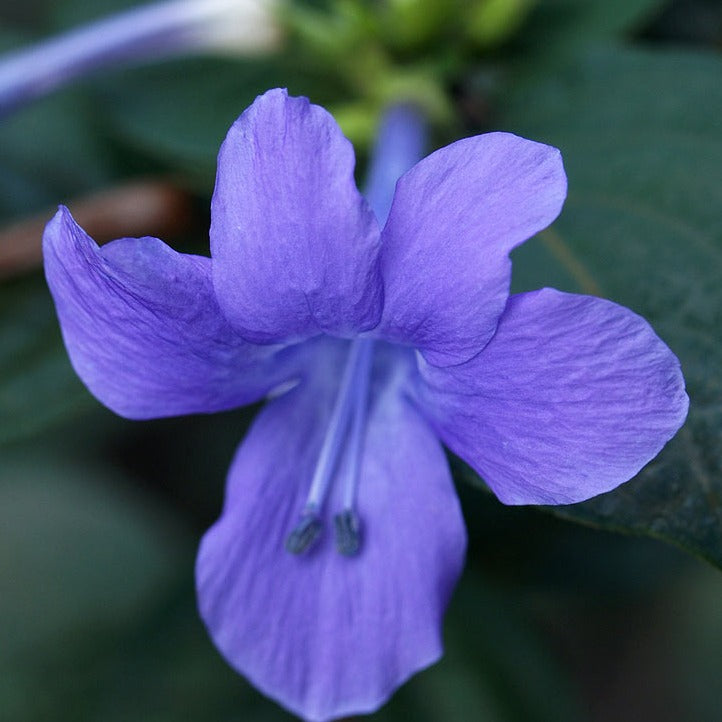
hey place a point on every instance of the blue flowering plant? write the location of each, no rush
(379, 329)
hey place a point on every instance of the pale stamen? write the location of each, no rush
(357, 368)
(347, 524)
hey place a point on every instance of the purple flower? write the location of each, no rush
(155, 31)
(326, 577)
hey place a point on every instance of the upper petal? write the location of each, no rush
(143, 329)
(324, 634)
(294, 244)
(454, 219)
(571, 397)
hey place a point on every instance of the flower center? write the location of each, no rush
(345, 432)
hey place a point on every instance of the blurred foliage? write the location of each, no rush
(690, 22)
(135, 107)
(49, 151)
(99, 517)
(38, 386)
(564, 27)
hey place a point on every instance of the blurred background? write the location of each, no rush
(585, 613)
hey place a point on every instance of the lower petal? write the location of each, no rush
(571, 397)
(324, 634)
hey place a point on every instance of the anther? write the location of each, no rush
(305, 534)
(348, 533)
(345, 432)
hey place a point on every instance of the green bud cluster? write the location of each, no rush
(391, 50)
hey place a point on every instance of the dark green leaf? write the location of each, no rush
(180, 111)
(641, 136)
(495, 668)
(69, 14)
(37, 383)
(49, 152)
(77, 550)
(558, 27)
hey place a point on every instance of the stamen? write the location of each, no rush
(358, 426)
(305, 534)
(338, 424)
(348, 532)
(359, 358)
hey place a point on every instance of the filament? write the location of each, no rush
(347, 401)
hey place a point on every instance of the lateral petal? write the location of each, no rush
(293, 242)
(324, 634)
(143, 329)
(571, 397)
(455, 217)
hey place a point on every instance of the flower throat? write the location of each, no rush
(345, 433)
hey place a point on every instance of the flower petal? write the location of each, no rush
(143, 329)
(294, 244)
(324, 634)
(571, 397)
(454, 219)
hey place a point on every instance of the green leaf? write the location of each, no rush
(494, 668)
(641, 137)
(77, 550)
(179, 111)
(49, 152)
(37, 384)
(559, 27)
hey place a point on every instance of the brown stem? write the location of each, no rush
(142, 208)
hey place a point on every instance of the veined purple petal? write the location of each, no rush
(294, 244)
(454, 219)
(324, 634)
(571, 397)
(143, 329)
